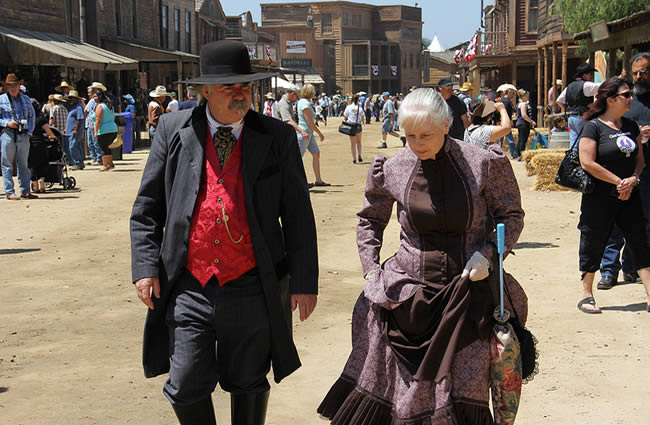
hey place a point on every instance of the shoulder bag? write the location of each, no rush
(571, 175)
(349, 128)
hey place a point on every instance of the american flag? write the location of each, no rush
(471, 49)
(267, 48)
(458, 56)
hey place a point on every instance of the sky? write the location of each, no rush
(452, 21)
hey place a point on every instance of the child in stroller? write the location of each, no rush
(47, 160)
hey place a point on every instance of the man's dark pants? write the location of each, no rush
(217, 334)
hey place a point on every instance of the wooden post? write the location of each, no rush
(627, 56)
(554, 74)
(565, 48)
(545, 77)
(179, 70)
(514, 73)
(369, 67)
(611, 63)
(540, 87)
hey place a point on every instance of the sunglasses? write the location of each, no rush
(626, 94)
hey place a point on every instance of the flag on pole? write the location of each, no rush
(267, 48)
(471, 49)
(458, 56)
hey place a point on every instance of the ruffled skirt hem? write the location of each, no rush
(347, 404)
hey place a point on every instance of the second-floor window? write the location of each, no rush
(118, 16)
(532, 15)
(164, 26)
(134, 19)
(326, 23)
(177, 29)
(356, 19)
(188, 32)
(345, 19)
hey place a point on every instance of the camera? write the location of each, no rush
(22, 127)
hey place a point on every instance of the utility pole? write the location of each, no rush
(482, 20)
(82, 20)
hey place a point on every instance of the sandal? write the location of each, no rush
(321, 183)
(590, 301)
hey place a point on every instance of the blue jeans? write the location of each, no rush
(575, 127)
(93, 146)
(76, 148)
(18, 150)
(514, 153)
(610, 264)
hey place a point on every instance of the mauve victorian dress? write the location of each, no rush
(420, 352)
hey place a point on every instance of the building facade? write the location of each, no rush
(351, 46)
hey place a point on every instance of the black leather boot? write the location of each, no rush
(249, 408)
(199, 413)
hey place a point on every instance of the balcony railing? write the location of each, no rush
(493, 43)
(365, 71)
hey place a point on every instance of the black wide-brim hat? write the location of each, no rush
(226, 62)
(584, 68)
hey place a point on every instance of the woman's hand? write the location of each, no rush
(628, 183)
(477, 268)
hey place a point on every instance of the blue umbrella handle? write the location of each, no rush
(501, 235)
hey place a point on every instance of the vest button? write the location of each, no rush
(216, 261)
(220, 181)
(216, 241)
(218, 220)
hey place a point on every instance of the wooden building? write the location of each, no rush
(351, 46)
(506, 47)
(557, 55)
(441, 65)
(628, 35)
(41, 40)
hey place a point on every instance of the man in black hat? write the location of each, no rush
(223, 245)
(457, 109)
(576, 98)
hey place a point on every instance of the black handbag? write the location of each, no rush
(349, 128)
(571, 175)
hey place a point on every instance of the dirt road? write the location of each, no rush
(71, 324)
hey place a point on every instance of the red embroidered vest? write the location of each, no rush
(212, 250)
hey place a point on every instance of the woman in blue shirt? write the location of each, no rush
(105, 128)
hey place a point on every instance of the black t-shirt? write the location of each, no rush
(616, 149)
(456, 109)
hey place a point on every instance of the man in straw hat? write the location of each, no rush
(552, 94)
(74, 129)
(270, 107)
(65, 88)
(155, 108)
(17, 121)
(223, 245)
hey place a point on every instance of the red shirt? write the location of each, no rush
(212, 251)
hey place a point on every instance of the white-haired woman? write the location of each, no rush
(419, 347)
(354, 115)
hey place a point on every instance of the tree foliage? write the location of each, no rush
(425, 43)
(579, 14)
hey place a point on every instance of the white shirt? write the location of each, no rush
(172, 106)
(354, 114)
(589, 89)
(237, 126)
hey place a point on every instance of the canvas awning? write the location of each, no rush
(26, 47)
(147, 53)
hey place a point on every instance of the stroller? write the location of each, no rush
(51, 152)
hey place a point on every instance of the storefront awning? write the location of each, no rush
(147, 53)
(26, 47)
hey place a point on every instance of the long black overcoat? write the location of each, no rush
(280, 218)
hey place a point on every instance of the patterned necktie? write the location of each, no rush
(224, 143)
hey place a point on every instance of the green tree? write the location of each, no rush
(425, 43)
(579, 14)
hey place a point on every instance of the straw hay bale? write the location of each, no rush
(528, 155)
(546, 165)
